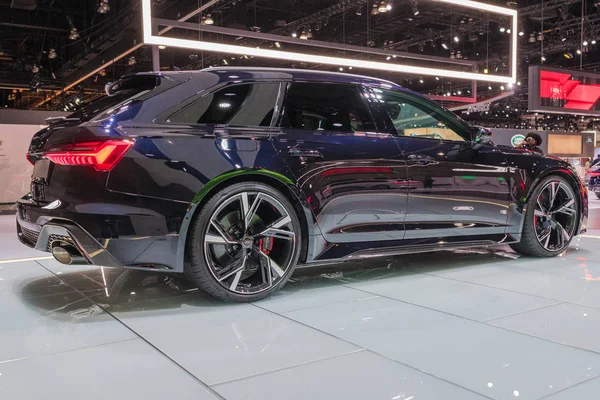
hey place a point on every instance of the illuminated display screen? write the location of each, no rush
(564, 91)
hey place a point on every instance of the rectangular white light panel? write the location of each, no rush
(150, 38)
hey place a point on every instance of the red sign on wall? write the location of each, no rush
(564, 91)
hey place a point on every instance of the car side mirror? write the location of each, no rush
(482, 135)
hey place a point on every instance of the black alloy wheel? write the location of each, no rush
(244, 243)
(550, 220)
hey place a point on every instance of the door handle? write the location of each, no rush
(420, 159)
(304, 153)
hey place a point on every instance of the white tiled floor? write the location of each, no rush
(457, 325)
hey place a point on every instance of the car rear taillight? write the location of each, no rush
(103, 156)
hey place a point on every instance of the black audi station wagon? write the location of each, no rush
(235, 176)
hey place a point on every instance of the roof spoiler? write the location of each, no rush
(55, 120)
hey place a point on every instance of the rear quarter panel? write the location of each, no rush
(174, 163)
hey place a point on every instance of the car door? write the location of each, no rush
(457, 189)
(351, 174)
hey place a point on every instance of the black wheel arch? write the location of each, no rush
(574, 181)
(275, 180)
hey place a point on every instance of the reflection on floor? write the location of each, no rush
(458, 325)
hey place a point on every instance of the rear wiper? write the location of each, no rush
(55, 120)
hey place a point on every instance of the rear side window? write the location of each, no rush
(241, 105)
(122, 91)
(326, 107)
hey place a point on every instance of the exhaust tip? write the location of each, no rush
(62, 255)
(67, 254)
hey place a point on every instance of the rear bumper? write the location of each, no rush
(57, 230)
(106, 234)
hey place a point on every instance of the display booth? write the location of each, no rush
(574, 147)
(16, 129)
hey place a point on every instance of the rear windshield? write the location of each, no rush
(124, 91)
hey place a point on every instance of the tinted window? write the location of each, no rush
(331, 107)
(122, 91)
(242, 105)
(418, 120)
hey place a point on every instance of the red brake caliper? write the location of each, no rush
(266, 245)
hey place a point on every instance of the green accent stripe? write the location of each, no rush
(228, 175)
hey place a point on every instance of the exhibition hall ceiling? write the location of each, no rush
(47, 45)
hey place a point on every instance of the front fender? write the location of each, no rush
(525, 181)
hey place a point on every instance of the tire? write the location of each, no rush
(597, 194)
(557, 218)
(243, 259)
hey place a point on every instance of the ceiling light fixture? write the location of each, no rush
(415, 8)
(52, 54)
(207, 20)
(103, 7)
(74, 35)
(531, 38)
(199, 45)
(382, 7)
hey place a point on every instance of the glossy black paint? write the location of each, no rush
(358, 193)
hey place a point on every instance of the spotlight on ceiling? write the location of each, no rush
(359, 11)
(585, 43)
(415, 8)
(445, 45)
(303, 35)
(207, 20)
(383, 7)
(594, 41)
(521, 33)
(578, 51)
(52, 54)
(502, 29)
(540, 37)
(531, 38)
(456, 39)
(103, 7)
(74, 35)
(568, 55)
